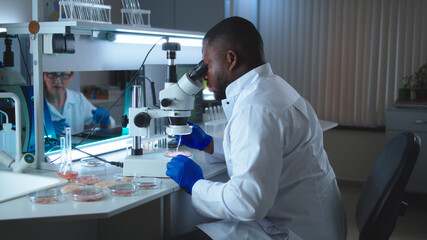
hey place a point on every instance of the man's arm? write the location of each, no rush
(210, 148)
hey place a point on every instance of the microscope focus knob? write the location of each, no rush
(142, 120)
(166, 102)
(125, 120)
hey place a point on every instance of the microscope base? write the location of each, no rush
(142, 165)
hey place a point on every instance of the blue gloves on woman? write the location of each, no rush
(98, 115)
(59, 126)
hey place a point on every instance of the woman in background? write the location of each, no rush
(69, 108)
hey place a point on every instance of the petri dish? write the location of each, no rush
(104, 185)
(146, 183)
(69, 188)
(46, 196)
(120, 178)
(86, 180)
(86, 195)
(92, 162)
(173, 154)
(123, 189)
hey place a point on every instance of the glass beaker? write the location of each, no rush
(67, 169)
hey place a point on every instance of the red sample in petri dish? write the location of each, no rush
(86, 180)
(46, 200)
(147, 182)
(172, 154)
(69, 188)
(69, 175)
(86, 195)
(123, 190)
(46, 196)
(91, 162)
(121, 178)
(104, 185)
(147, 186)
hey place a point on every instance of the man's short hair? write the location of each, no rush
(239, 35)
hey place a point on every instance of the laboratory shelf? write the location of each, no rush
(88, 28)
(94, 53)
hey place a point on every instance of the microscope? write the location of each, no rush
(176, 103)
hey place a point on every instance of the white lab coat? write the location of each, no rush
(77, 112)
(281, 183)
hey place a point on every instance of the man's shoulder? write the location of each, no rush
(270, 92)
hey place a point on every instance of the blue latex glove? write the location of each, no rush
(198, 139)
(59, 126)
(99, 113)
(184, 171)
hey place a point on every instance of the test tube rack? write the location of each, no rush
(214, 120)
(84, 10)
(132, 14)
(135, 17)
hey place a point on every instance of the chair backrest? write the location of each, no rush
(380, 202)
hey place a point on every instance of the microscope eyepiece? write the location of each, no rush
(199, 71)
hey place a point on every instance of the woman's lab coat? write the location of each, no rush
(281, 184)
(77, 112)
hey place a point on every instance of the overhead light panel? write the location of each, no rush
(158, 33)
(143, 39)
(135, 39)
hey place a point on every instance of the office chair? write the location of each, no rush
(380, 202)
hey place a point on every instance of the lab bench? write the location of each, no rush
(150, 214)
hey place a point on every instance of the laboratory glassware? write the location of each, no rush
(67, 169)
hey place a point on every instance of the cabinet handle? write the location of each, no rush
(420, 121)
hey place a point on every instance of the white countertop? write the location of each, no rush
(22, 208)
(326, 125)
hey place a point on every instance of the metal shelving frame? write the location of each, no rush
(77, 28)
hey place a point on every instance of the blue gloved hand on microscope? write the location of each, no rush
(184, 171)
(59, 126)
(98, 114)
(198, 139)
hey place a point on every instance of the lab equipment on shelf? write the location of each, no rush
(8, 139)
(215, 120)
(85, 11)
(21, 162)
(25, 96)
(132, 14)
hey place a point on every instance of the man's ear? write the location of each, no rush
(231, 60)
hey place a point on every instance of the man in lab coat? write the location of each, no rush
(281, 183)
(69, 108)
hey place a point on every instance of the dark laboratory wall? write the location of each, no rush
(190, 15)
(198, 15)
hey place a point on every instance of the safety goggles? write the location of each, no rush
(62, 76)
